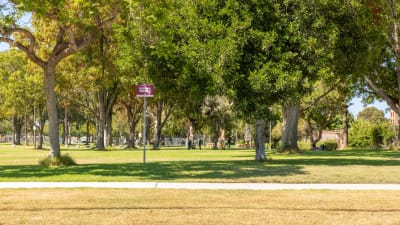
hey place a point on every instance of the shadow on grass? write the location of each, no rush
(280, 165)
(342, 158)
(156, 171)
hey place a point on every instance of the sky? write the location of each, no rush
(358, 106)
(3, 46)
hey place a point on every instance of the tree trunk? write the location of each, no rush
(345, 137)
(65, 128)
(313, 139)
(87, 132)
(26, 128)
(40, 143)
(17, 129)
(108, 130)
(190, 136)
(133, 120)
(101, 121)
(259, 139)
(42, 121)
(289, 127)
(158, 126)
(215, 137)
(51, 104)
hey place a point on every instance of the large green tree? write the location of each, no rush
(77, 24)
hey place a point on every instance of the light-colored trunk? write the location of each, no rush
(157, 126)
(190, 136)
(17, 128)
(289, 127)
(26, 128)
(259, 139)
(101, 121)
(66, 128)
(51, 104)
(133, 120)
(108, 131)
(345, 136)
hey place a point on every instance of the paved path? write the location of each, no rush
(226, 186)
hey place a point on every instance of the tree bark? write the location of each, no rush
(42, 121)
(215, 137)
(345, 136)
(17, 129)
(108, 130)
(160, 121)
(291, 115)
(157, 132)
(133, 119)
(101, 121)
(190, 135)
(26, 127)
(259, 139)
(51, 104)
(65, 128)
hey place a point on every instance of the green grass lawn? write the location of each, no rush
(156, 206)
(179, 165)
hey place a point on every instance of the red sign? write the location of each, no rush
(144, 90)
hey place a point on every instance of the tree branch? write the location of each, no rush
(389, 100)
(333, 87)
(28, 50)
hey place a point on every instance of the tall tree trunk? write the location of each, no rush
(310, 132)
(158, 125)
(40, 143)
(87, 132)
(42, 121)
(51, 104)
(289, 127)
(259, 139)
(133, 119)
(65, 128)
(190, 135)
(17, 129)
(215, 136)
(26, 128)
(108, 130)
(101, 121)
(157, 133)
(345, 136)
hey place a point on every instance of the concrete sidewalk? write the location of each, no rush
(213, 186)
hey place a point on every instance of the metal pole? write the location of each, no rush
(144, 130)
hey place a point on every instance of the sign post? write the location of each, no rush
(144, 90)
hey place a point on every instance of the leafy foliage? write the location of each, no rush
(365, 134)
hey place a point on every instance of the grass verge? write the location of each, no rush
(111, 206)
(21, 164)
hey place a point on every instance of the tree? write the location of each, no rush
(366, 134)
(77, 24)
(21, 92)
(372, 114)
(320, 111)
(218, 116)
(381, 31)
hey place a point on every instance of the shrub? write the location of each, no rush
(329, 145)
(64, 160)
(367, 135)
